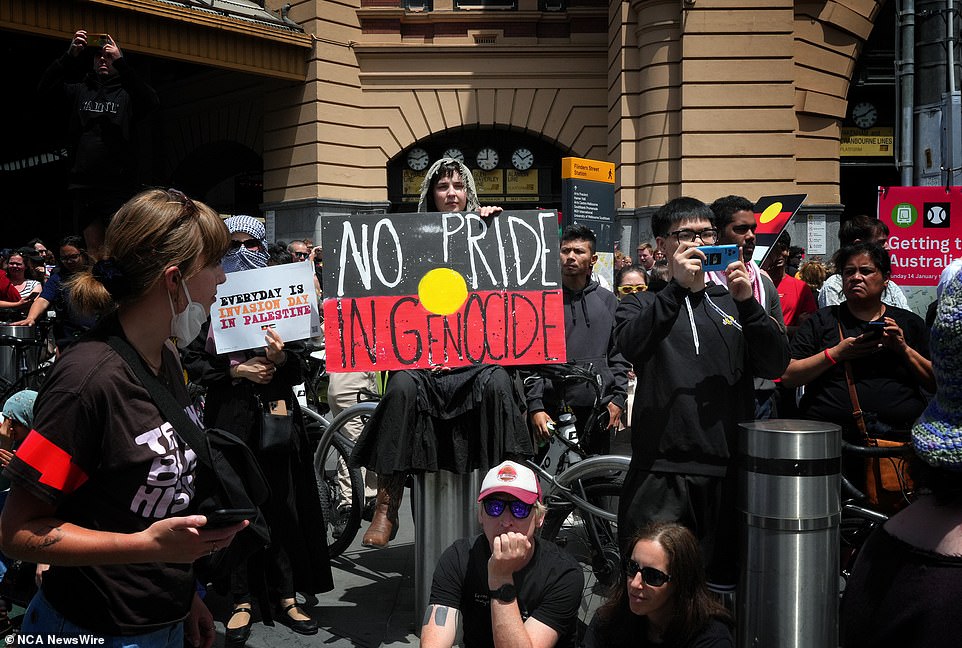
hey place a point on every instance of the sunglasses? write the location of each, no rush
(495, 507)
(250, 244)
(650, 575)
(302, 255)
(628, 289)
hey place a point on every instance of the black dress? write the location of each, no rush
(297, 559)
(458, 420)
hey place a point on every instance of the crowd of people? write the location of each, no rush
(103, 485)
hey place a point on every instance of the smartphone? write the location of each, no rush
(873, 330)
(718, 257)
(226, 517)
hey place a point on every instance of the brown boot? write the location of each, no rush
(390, 490)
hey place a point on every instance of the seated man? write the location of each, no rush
(504, 586)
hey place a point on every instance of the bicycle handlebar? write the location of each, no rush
(877, 451)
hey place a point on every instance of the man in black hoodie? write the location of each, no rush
(695, 347)
(103, 107)
(589, 339)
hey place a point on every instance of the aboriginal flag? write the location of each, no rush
(772, 213)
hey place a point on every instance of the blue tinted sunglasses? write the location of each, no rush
(495, 507)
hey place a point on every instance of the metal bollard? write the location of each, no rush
(790, 508)
(445, 509)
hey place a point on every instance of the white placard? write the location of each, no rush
(816, 235)
(280, 297)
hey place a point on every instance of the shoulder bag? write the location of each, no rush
(226, 476)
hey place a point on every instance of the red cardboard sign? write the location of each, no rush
(925, 231)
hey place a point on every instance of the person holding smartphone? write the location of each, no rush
(103, 485)
(887, 349)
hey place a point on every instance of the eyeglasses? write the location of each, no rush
(650, 575)
(628, 289)
(302, 255)
(250, 244)
(709, 235)
(71, 257)
(495, 507)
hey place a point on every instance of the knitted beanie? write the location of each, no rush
(937, 437)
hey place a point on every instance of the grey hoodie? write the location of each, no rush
(472, 192)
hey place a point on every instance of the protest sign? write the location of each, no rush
(923, 237)
(413, 291)
(279, 297)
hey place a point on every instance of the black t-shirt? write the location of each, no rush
(549, 588)
(886, 386)
(715, 635)
(103, 453)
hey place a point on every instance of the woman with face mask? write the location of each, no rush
(102, 486)
(240, 386)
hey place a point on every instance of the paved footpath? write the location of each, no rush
(372, 603)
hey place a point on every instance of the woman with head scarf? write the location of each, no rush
(239, 387)
(446, 419)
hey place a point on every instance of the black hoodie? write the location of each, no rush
(589, 338)
(103, 109)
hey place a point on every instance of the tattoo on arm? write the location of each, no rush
(440, 615)
(44, 536)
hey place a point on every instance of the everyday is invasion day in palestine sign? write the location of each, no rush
(414, 291)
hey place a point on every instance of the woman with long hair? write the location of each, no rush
(103, 486)
(663, 599)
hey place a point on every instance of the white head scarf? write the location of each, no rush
(426, 204)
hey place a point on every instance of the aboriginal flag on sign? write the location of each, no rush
(772, 213)
(414, 291)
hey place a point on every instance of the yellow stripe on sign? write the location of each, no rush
(582, 169)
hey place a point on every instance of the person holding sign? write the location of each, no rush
(103, 486)
(241, 387)
(442, 419)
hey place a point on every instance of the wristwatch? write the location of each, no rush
(506, 593)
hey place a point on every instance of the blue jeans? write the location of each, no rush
(42, 619)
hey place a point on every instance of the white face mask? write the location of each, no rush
(186, 325)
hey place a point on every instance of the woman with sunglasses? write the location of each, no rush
(103, 486)
(630, 280)
(239, 387)
(663, 600)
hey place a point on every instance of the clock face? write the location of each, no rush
(522, 159)
(454, 153)
(487, 158)
(864, 114)
(418, 159)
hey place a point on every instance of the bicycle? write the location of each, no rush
(581, 492)
(858, 521)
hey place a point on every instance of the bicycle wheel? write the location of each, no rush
(333, 450)
(592, 539)
(326, 462)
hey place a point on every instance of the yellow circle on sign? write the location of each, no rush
(442, 291)
(770, 212)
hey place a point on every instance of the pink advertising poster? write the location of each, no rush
(925, 231)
